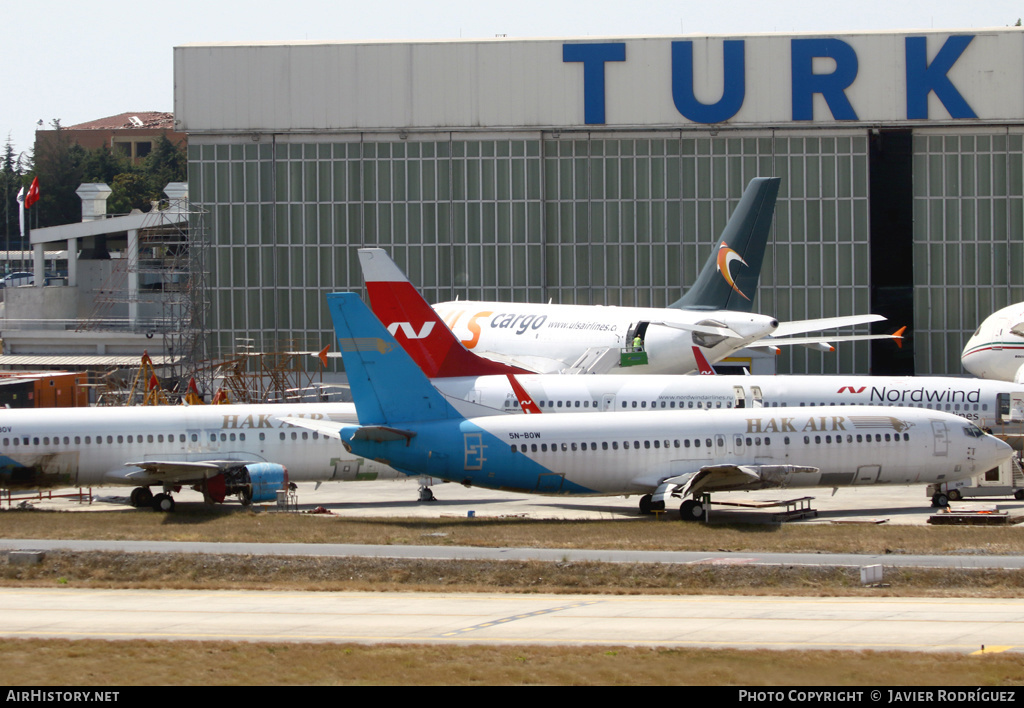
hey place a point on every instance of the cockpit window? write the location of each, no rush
(973, 431)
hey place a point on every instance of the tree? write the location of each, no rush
(63, 165)
(58, 166)
(10, 183)
(167, 162)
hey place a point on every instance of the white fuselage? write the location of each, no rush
(94, 446)
(989, 404)
(996, 349)
(552, 338)
(620, 453)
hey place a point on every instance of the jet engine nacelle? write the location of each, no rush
(260, 481)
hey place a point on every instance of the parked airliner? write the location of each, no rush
(407, 423)
(996, 349)
(463, 376)
(246, 450)
(714, 314)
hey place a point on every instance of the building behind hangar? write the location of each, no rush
(600, 171)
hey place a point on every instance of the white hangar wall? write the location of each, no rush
(592, 171)
(633, 82)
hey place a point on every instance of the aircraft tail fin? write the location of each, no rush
(415, 325)
(386, 384)
(729, 278)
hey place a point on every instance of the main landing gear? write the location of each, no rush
(143, 497)
(691, 509)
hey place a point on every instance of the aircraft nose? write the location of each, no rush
(999, 450)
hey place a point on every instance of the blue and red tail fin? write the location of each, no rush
(415, 325)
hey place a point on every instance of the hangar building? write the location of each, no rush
(600, 171)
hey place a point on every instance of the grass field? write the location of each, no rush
(87, 662)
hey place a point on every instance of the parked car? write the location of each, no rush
(15, 279)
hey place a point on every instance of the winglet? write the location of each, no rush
(525, 400)
(323, 355)
(415, 325)
(729, 278)
(898, 336)
(703, 366)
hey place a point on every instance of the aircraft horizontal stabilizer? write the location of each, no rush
(381, 433)
(327, 428)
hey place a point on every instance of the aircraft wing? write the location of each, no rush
(724, 478)
(822, 343)
(172, 471)
(802, 326)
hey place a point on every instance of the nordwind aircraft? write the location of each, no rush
(465, 377)
(996, 349)
(248, 450)
(408, 424)
(462, 375)
(715, 314)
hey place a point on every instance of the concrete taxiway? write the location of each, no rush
(854, 505)
(906, 624)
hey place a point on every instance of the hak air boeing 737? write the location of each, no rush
(248, 450)
(407, 424)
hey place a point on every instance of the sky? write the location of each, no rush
(75, 61)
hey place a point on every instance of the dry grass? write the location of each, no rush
(144, 663)
(87, 662)
(233, 525)
(212, 572)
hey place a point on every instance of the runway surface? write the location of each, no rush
(922, 625)
(849, 560)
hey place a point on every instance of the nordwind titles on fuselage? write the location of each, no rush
(921, 395)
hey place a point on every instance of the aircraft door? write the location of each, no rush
(550, 483)
(1017, 407)
(608, 402)
(756, 397)
(739, 397)
(867, 474)
(940, 435)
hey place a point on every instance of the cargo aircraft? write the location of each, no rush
(715, 314)
(248, 450)
(406, 423)
(996, 349)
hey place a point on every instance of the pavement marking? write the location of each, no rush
(512, 618)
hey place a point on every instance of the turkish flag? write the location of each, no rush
(33, 193)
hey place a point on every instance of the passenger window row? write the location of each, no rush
(150, 438)
(739, 441)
